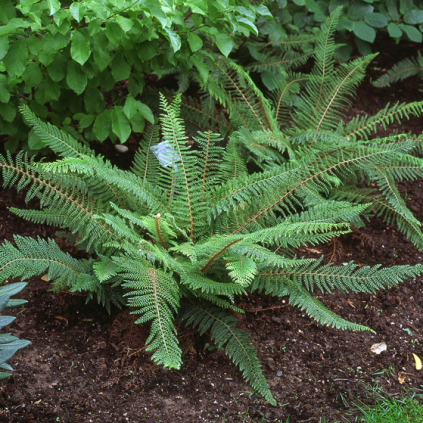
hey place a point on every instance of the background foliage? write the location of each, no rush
(69, 56)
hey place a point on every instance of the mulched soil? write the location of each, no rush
(87, 366)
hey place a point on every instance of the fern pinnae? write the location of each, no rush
(219, 253)
(237, 343)
(59, 141)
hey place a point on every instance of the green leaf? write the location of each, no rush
(35, 142)
(392, 7)
(125, 23)
(93, 100)
(224, 43)
(245, 23)
(4, 93)
(175, 40)
(414, 17)
(194, 41)
(120, 124)
(76, 78)
(406, 6)
(394, 30)
(376, 20)
(138, 122)
(120, 68)
(86, 121)
(35, 45)
(32, 75)
(146, 50)
(77, 10)
(54, 6)
(359, 10)
(4, 46)
(8, 111)
(130, 107)
(80, 47)
(364, 31)
(412, 33)
(15, 59)
(201, 66)
(101, 57)
(102, 125)
(57, 68)
(145, 111)
(113, 32)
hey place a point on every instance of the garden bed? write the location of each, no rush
(87, 366)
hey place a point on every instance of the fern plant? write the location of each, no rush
(401, 71)
(188, 230)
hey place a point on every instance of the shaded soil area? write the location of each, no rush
(85, 365)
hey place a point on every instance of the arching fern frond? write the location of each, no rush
(237, 343)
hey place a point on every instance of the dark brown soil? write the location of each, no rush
(87, 366)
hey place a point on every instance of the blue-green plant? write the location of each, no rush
(9, 344)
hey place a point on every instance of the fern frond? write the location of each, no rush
(364, 126)
(237, 343)
(145, 162)
(155, 295)
(59, 141)
(401, 71)
(32, 257)
(345, 278)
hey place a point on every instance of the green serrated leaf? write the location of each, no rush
(120, 124)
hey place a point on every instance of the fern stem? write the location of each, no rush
(204, 268)
(159, 233)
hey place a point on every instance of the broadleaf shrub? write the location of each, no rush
(59, 57)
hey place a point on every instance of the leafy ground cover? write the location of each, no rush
(84, 365)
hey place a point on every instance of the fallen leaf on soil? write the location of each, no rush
(45, 278)
(418, 362)
(401, 378)
(378, 348)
